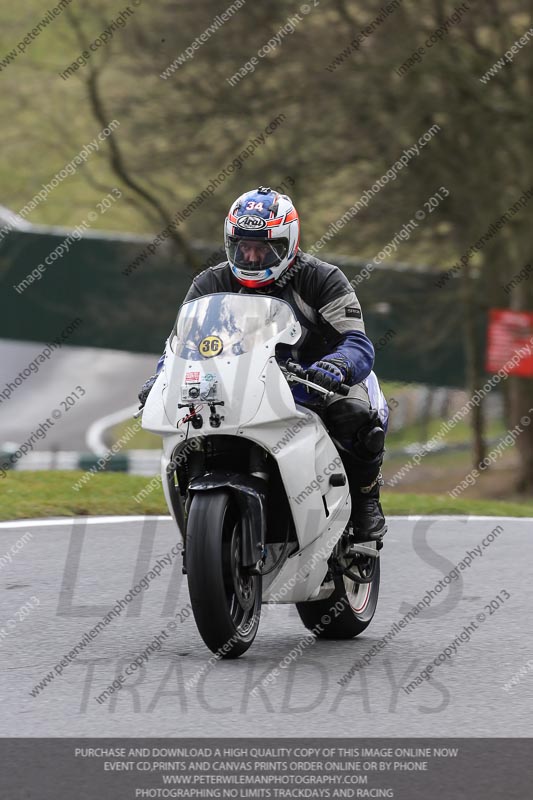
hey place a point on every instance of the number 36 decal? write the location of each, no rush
(211, 346)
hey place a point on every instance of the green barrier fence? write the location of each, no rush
(415, 325)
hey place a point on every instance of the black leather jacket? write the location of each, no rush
(324, 302)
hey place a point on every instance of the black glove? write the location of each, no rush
(145, 390)
(327, 374)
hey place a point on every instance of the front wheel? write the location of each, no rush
(346, 612)
(225, 600)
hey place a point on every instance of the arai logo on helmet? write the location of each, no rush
(251, 223)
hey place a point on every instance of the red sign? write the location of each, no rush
(510, 342)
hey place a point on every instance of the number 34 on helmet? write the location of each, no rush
(261, 237)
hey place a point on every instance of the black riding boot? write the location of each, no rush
(359, 436)
(363, 467)
(367, 515)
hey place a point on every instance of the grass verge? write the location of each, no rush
(140, 440)
(25, 495)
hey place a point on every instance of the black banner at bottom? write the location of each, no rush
(127, 769)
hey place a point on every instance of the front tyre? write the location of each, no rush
(346, 612)
(226, 602)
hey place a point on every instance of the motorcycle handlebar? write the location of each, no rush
(344, 389)
(297, 370)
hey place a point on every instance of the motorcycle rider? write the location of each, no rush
(261, 237)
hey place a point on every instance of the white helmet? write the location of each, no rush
(261, 236)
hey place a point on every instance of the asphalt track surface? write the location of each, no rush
(110, 378)
(75, 571)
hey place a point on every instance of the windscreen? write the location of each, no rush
(228, 325)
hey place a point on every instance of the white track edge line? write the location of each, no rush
(46, 523)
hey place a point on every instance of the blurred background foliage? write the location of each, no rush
(343, 128)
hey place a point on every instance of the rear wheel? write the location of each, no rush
(349, 609)
(226, 601)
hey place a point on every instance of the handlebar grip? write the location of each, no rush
(298, 370)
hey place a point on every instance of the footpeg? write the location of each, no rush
(362, 550)
(371, 537)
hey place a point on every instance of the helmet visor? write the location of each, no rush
(255, 255)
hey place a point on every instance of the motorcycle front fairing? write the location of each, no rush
(246, 331)
(222, 350)
(217, 351)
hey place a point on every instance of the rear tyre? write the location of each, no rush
(226, 602)
(347, 612)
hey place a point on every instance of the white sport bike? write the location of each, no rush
(253, 480)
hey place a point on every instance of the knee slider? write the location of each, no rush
(373, 440)
(354, 423)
